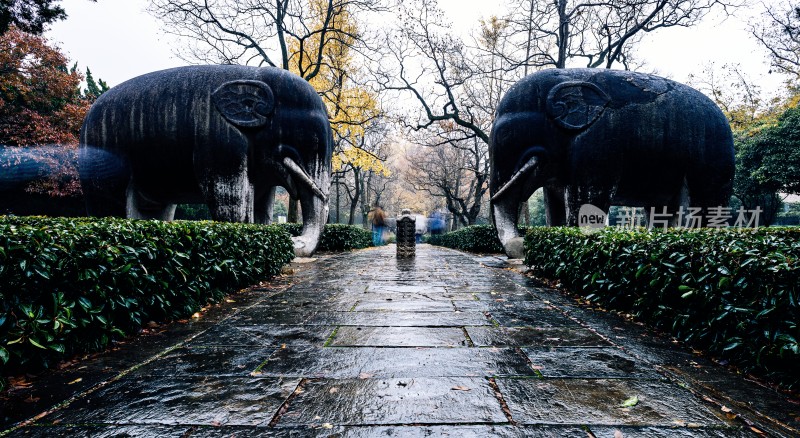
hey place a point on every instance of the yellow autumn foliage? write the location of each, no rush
(357, 157)
(350, 107)
(764, 120)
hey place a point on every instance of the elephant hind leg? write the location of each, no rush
(578, 196)
(107, 201)
(710, 187)
(138, 207)
(555, 206)
(707, 193)
(674, 214)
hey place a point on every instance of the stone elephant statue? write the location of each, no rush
(222, 135)
(605, 137)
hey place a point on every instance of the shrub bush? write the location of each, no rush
(731, 292)
(340, 237)
(474, 238)
(292, 228)
(336, 237)
(72, 285)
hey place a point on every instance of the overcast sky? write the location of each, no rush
(118, 40)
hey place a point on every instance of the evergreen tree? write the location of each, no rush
(31, 16)
(93, 89)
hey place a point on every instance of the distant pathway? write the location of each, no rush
(364, 344)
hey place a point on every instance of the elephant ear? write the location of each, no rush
(576, 105)
(244, 103)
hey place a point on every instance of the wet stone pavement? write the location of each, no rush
(364, 344)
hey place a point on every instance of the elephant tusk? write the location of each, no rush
(301, 174)
(521, 173)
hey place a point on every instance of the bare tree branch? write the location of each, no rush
(557, 33)
(779, 33)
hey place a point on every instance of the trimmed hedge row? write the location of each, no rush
(336, 237)
(72, 285)
(731, 292)
(474, 238)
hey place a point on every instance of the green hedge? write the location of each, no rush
(72, 285)
(336, 237)
(731, 292)
(474, 238)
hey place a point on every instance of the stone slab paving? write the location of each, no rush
(366, 345)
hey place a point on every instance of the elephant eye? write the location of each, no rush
(249, 103)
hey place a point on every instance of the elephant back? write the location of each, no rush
(622, 87)
(178, 102)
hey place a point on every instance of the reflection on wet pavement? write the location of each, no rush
(363, 344)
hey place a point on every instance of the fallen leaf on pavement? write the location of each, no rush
(460, 388)
(631, 402)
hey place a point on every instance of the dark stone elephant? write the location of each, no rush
(605, 137)
(221, 135)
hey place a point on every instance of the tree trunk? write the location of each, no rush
(352, 219)
(356, 197)
(338, 195)
(563, 34)
(294, 210)
(525, 214)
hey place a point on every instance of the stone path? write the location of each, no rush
(364, 344)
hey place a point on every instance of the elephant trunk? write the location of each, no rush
(505, 207)
(518, 178)
(504, 212)
(314, 204)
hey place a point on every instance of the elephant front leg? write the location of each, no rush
(263, 207)
(229, 197)
(676, 213)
